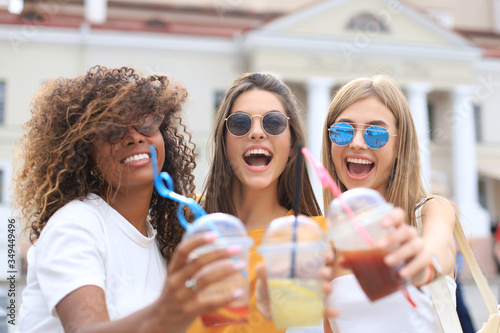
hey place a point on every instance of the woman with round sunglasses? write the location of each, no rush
(252, 175)
(370, 141)
(107, 253)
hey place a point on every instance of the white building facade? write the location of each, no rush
(452, 89)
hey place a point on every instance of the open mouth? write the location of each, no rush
(359, 167)
(135, 158)
(257, 158)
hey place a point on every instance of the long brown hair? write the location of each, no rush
(217, 196)
(405, 186)
(55, 164)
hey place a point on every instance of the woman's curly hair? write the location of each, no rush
(54, 159)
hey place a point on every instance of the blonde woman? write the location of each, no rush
(369, 140)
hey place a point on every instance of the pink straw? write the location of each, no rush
(327, 182)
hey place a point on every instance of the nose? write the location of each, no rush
(358, 141)
(133, 136)
(257, 131)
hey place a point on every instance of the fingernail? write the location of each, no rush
(382, 243)
(239, 265)
(233, 249)
(238, 293)
(389, 260)
(210, 236)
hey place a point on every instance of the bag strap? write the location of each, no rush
(440, 293)
(481, 282)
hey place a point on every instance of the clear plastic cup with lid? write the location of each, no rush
(231, 232)
(356, 241)
(294, 251)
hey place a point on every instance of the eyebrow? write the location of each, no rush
(373, 122)
(240, 111)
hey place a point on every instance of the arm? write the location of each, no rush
(84, 310)
(438, 219)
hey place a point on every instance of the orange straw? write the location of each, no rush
(327, 182)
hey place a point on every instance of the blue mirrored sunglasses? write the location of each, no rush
(343, 133)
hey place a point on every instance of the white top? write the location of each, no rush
(391, 314)
(89, 243)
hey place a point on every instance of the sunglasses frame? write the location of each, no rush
(138, 127)
(262, 122)
(364, 133)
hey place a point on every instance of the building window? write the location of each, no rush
(218, 97)
(367, 22)
(2, 101)
(481, 188)
(432, 122)
(477, 123)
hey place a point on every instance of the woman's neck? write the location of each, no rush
(133, 205)
(257, 208)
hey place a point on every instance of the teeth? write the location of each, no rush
(358, 161)
(134, 158)
(257, 152)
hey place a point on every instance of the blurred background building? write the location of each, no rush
(444, 53)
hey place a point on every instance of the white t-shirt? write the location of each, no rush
(89, 243)
(391, 314)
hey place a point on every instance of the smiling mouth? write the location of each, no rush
(359, 167)
(135, 158)
(257, 158)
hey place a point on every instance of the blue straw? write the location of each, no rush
(168, 192)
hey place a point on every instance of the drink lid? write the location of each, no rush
(224, 225)
(281, 230)
(362, 201)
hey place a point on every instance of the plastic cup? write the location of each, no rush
(231, 232)
(367, 262)
(293, 271)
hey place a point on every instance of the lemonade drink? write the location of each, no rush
(293, 249)
(296, 302)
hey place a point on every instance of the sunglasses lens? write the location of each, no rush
(238, 124)
(274, 123)
(149, 124)
(376, 137)
(341, 134)
(114, 133)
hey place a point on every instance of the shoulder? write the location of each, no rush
(321, 220)
(77, 214)
(438, 207)
(437, 202)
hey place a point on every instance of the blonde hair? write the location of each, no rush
(405, 188)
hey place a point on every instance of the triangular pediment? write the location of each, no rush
(362, 21)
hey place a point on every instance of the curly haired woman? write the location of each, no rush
(102, 235)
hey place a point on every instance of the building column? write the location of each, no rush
(96, 11)
(476, 218)
(318, 101)
(417, 98)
